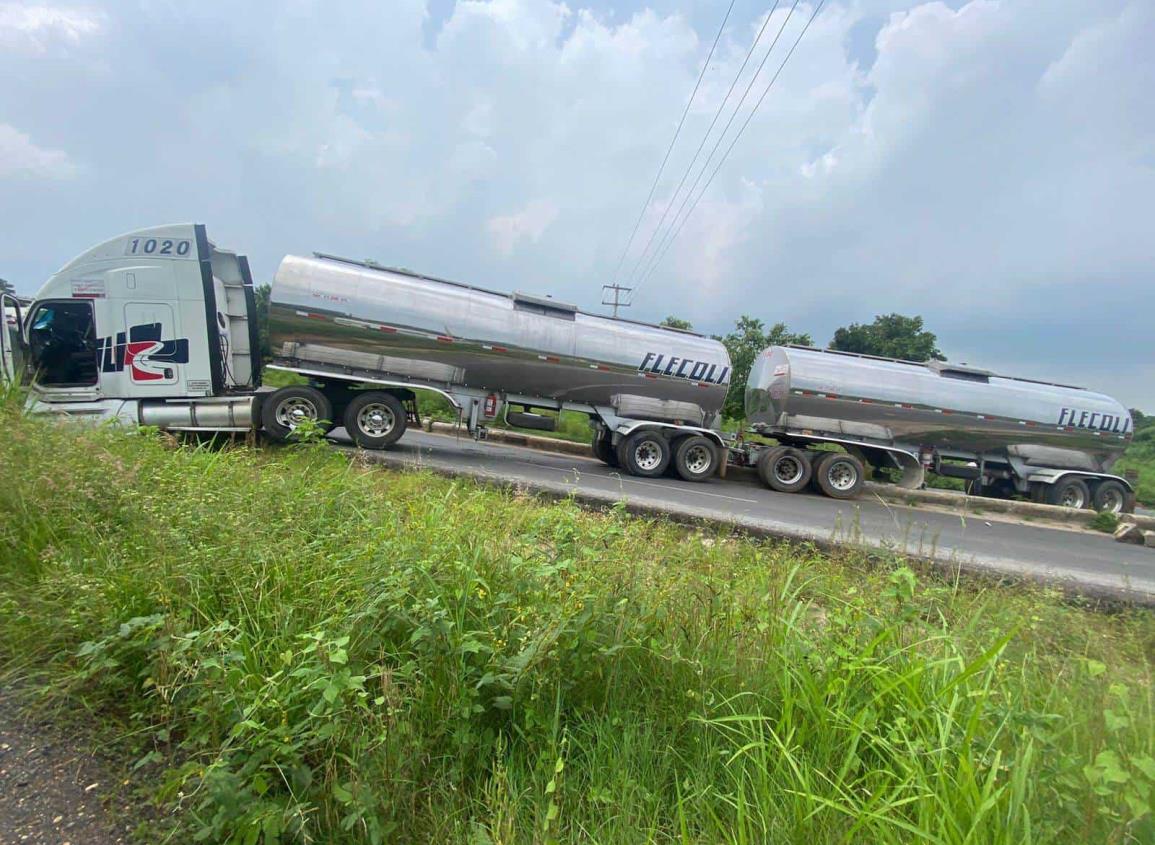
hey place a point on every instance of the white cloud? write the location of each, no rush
(37, 27)
(529, 224)
(987, 164)
(20, 157)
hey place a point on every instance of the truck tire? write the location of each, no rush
(839, 475)
(784, 469)
(1069, 493)
(285, 408)
(603, 448)
(375, 419)
(695, 458)
(1110, 496)
(645, 454)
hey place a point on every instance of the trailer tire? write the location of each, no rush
(695, 458)
(375, 419)
(645, 454)
(784, 469)
(603, 449)
(1111, 496)
(839, 475)
(1070, 493)
(281, 412)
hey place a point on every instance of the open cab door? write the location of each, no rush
(12, 342)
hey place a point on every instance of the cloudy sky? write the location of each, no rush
(987, 164)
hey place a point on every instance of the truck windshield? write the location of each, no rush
(62, 342)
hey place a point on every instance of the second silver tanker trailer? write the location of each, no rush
(1004, 436)
(159, 327)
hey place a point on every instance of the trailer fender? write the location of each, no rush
(913, 473)
(624, 428)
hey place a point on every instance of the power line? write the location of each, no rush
(647, 268)
(725, 155)
(674, 140)
(705, 138)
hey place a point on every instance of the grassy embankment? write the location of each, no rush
(310, 650)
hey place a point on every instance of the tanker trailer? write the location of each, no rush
(1002, 435)
(652, 393)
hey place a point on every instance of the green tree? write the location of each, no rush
(891, 336)
(7, 287)
(749, 338)
(677, 323)
(261, 294)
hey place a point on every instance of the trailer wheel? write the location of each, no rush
(603, 448)
(1110, 496)
(645, 453)
(1069, 493)
(784, 469)
(288, 407)
(695, 458)
(375, 419)
(839, 475)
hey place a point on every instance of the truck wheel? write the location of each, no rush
(784, 469)
(375, 419)
(696, 458)
(1069, 493)
(604, 449)
(645, 453)
(840, 475)
(289, 406)
(1110, 496)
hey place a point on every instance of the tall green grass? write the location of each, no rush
(312, 650)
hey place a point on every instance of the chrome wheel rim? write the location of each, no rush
(647, 455)
(698, 459)
(842, 475)
(1112, 501)
(1072, 498)
(291, 411)
(376, 419)
(788, 470)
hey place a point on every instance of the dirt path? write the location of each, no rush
(49, 785)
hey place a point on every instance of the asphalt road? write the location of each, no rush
(1088, 562)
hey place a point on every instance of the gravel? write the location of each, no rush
(51, 785)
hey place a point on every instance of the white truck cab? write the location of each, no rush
(155, 327)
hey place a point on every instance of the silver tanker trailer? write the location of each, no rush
(159, 327)
(652, 394)
(1003, 435)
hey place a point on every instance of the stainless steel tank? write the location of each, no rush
(358, 318)
(949, 408)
